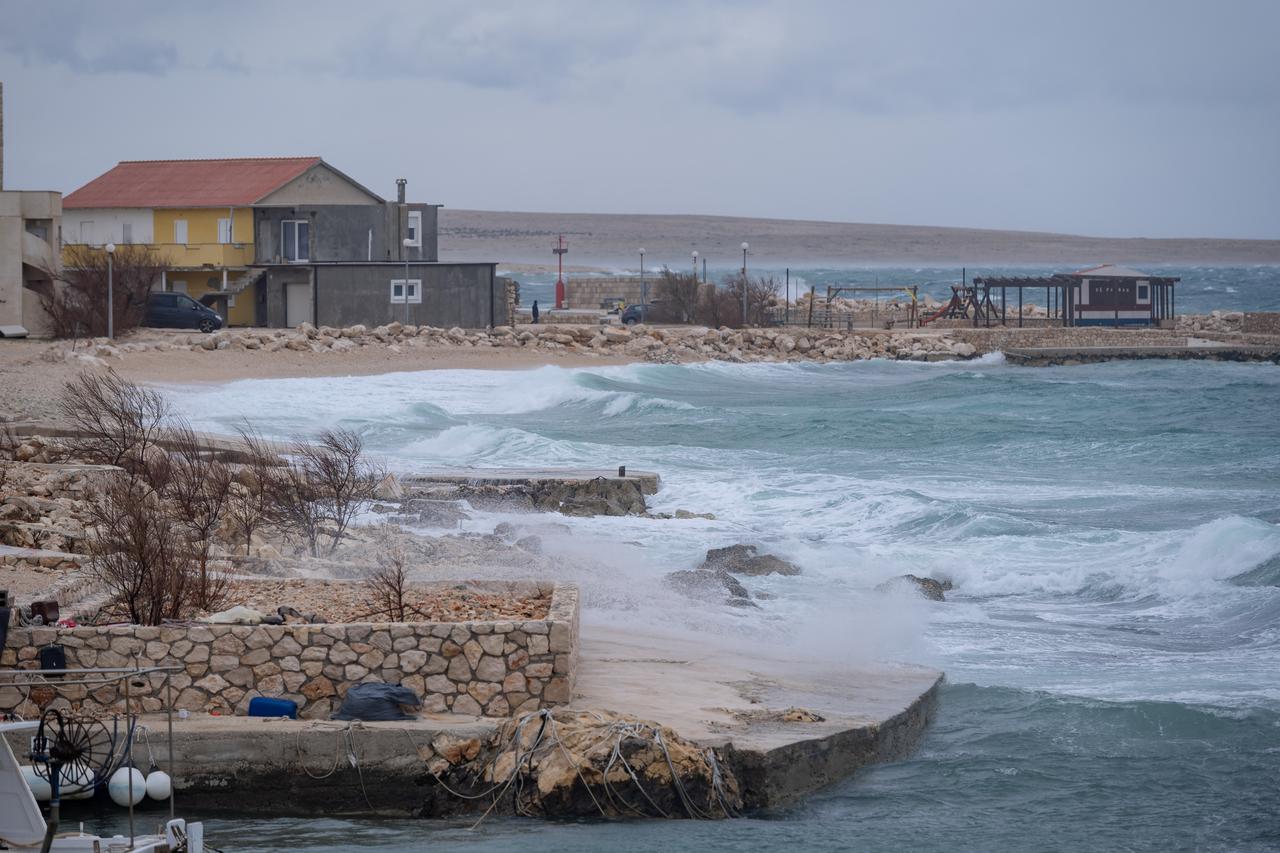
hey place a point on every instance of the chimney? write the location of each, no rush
(400, 184)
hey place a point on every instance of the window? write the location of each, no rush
(224, 230)
(86, 231)
(415, 228)
(180, 231)
(126, 232)
(1144, 292)
(179, 286)
(397, 291)
(295, 240)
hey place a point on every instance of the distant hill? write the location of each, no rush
(612, 240)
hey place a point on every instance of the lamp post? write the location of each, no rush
(745, 246)
(111, 307)
(405, 290)
(644, 292)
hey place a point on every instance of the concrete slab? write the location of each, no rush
(871, 712)
(1047, 356)
(648, 481)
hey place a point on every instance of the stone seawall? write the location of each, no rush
(591, 293)
(490, 668)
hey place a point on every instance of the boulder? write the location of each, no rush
(928, 587)
(743, 560)
(718, 586)
(388, 489)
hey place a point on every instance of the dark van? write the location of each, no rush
(179, 311)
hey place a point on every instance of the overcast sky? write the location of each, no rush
(1117, 118)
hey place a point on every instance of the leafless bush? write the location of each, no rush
(76, 299)
(679, 295)
(321, 489)
(387, 586)
(762, 294)
(249, 503)
(140, 553)
(197, 492)
(117, 422)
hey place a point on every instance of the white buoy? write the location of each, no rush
(39, 787)
(118, 787)
(159, 785)
(74, 787)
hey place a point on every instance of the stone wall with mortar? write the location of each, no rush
(492, 668)
(1261, 322)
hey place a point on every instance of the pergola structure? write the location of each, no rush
(1099, 296)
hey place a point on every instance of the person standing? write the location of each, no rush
(535, 312)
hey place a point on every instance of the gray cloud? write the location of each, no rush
(998, 113)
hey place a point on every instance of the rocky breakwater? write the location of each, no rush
(658, 344)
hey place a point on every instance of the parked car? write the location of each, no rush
(638, 313)
(179, 311)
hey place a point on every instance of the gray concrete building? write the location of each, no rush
(30, 233)
(374, 293)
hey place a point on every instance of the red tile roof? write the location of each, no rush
(188, 183)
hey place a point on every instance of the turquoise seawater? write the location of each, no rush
(1112, 644)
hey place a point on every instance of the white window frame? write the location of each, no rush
(180, 232)
(224, 230)
(415, 228)
(126, 233)
(415, 291)
(297, 245)
(86, 231)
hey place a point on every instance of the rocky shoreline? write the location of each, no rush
(661, 344)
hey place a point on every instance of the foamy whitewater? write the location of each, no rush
(1112, 644)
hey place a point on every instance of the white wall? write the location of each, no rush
(108, 225)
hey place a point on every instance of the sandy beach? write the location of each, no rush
(32, 373)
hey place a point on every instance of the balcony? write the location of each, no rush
(205, 254)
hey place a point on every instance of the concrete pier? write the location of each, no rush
(571, 491)
(1048, 356)
(870, 713)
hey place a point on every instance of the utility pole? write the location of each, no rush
(560, 249)
(111, 306)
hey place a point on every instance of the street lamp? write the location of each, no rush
(745, 246)
(111, 308)
(405, 290)
(644, 292)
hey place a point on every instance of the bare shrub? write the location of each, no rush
(387, 587)
(321, 489)
(117, 422)
(249, 503)
(140, 554)
(678, 293)
(197, 491)
(76, 299)
(762, 294)
(718, 307)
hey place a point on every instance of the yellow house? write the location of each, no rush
(196, 214)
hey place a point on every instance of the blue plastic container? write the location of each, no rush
(261, 706)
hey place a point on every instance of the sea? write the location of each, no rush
(1111, 644)
(1202, 288)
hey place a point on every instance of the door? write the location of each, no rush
(297, 304)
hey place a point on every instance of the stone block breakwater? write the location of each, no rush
(672, 344)
(490, 668)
